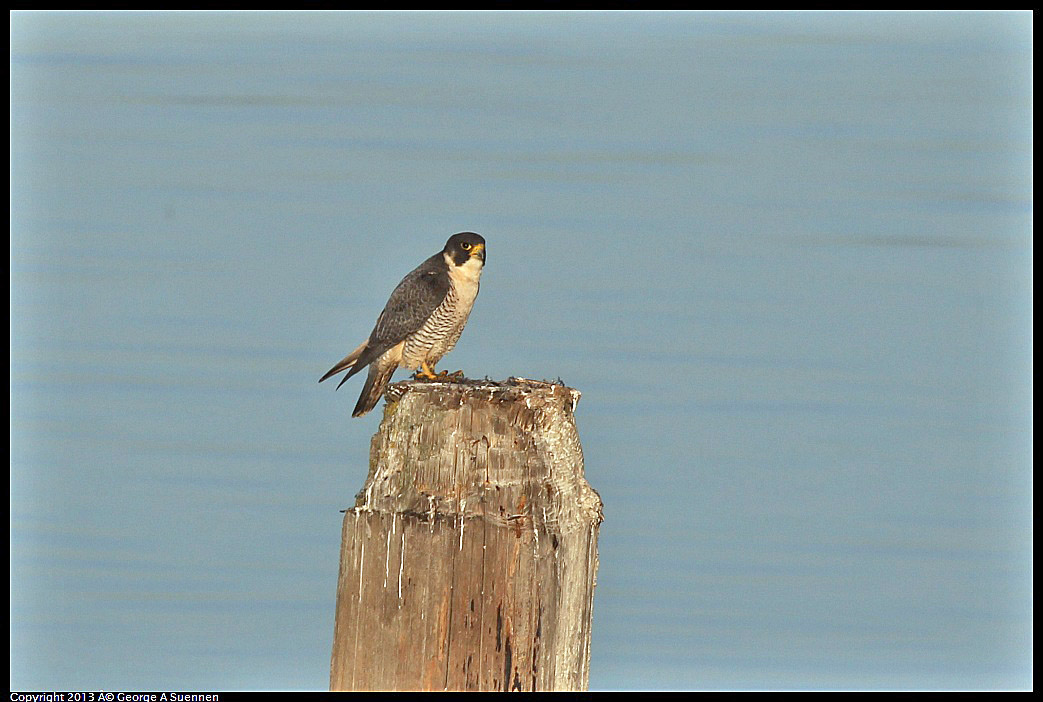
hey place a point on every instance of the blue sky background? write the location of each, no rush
(787, 258)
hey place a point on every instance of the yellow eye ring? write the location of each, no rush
(465, 246)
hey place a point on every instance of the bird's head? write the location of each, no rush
(464, 247)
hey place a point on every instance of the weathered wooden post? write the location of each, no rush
(469, 559)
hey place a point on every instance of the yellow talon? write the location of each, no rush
(426, 372)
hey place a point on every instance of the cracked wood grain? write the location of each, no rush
(470, 557)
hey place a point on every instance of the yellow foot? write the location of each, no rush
(427, 373)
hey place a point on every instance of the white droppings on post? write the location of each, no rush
(401, 566)
(362, 567)
(432, 462)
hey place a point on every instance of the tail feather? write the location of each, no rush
(376, 383)
(346, 362)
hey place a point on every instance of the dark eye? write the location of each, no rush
(465, 246)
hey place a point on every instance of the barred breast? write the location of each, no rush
(443, 328)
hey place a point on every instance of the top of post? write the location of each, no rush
(531, 392)
(463, 447)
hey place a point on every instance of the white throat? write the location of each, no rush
(465, 276)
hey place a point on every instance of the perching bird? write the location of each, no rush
(422, 320)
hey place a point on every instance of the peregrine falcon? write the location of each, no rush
(422, 320)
